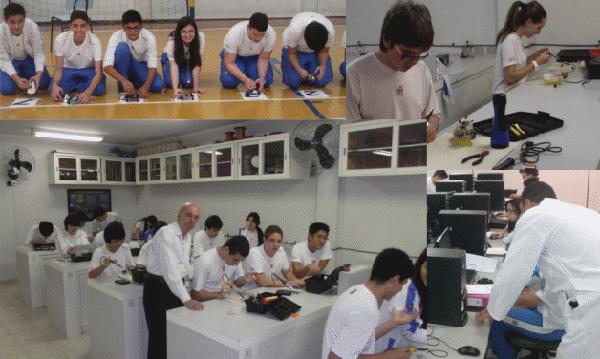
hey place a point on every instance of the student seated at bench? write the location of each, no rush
(114, 257)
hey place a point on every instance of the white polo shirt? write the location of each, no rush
(252, 237)
(293, 35)
(510, 52)
(66, 241)
(145, 253)
(375, 91)
(237, 41)
(302, 254)
(170, 47)
(209, 269)
(350, 328)
(203, 243)
(78, 56)
(123, 257)
(142, 49)
(100, 226)
(258, 261)
(34, 234)
(29, 43)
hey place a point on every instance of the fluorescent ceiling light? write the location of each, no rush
(66, 136)
(383, 153)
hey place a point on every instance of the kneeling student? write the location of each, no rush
(311, 257)
(212, 266)
(114, 257)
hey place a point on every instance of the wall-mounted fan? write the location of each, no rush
(19, 165)
(316, 145)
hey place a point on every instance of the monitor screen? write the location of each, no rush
(467, 177)
(496, 191)
(87, 199)
(450, 186)
(477, 201)
(490, 176)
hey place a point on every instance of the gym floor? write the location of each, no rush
(217, 103)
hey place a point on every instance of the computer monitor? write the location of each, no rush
(463, 176)
(435, 203)
(450, 186)
(496, 191)
(476, 201)
(490, 176)
(468, 229)
(443, 240)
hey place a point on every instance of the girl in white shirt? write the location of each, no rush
(182, 57)
(252, 230)
(512, 65)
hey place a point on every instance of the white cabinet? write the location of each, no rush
(118, 170)
(383, 147)
(215, 162)
(266, 158)
(75, 169)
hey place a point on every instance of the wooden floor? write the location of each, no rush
(217, 103)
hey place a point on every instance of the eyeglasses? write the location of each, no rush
(405, 55)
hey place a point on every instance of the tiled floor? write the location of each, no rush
(26, 333)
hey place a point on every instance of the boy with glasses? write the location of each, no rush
(394, 82)
(311, 257)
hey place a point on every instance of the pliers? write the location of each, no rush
(480, 157)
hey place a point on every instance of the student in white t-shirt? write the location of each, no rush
(352, 326)
(114, 257)
(182, 57)
(219, 268)
(43, 232)
(269, 260)
(73, 236)
(102, 218)
(131, 57)
(252, 230)
(306, 43)
(246, 52)
(394, 82)
(21, 52)
(208, 238)
(512, 65)
(78, 61)
(311, 257)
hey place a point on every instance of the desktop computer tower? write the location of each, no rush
(468, 229)
(446, 283)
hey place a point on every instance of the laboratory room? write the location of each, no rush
(210, 239)
(513, 263)
(204, 59)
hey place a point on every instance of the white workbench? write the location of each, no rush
(31, 274)
(224, 330)
(577, 105)
(117, 320)
(66, 292)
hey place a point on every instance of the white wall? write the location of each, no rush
(30, 202)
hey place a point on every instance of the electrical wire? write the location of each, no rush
(433, 341)
(530, 152)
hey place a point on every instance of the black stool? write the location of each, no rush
(539, 349)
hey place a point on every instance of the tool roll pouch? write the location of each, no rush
(256, 305)
(532, 123)
(282, 308)
(318, 284)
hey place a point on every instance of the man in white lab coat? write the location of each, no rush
(564, 239)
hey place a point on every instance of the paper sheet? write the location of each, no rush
(262, 96)
(122, 99)
(479, 288)
(316, 94)
(495, 251)
(481, 264)
(24, 102)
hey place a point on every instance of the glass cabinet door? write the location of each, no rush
(205, 164)
(113, 170)
(274, 157)
(67, 169)
(250, 160)
(130, 171)
(89, 169)
(185, 166)
(224, 163)
(370, 149)
(154, 169)
(171, 168)
(412, 145)
(143, 170)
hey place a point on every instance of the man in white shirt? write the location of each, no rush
(311, 257)
(245, 56)
(563, 239)
(73, 236)
(113, 257)
(394, 82)
(208, 238)
(78, 62)
(437, 176)
(43, 232)
(269, 261)
(167, 266)
(131, 57)
(306, 43)
(351, 329)
(102, 218)
(22, 57)
(219, 268)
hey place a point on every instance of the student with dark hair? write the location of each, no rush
(102, 218)
(114, 257)
(351, 329)
(219, 262)
(146, 250)
(563, 240)
(311, 257)
(529, 176)
(246, 52)
(78, 61)
(142, 225)
(72, 236)
(22, 58)
(252, 230)
(270, 260)
(130, 57)
(182, 57)
(43, 232)
(306, 43)
(394, 82)
(437, 176)
(512, 209)
(412, 298)
(208, 238)
(512, 64)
